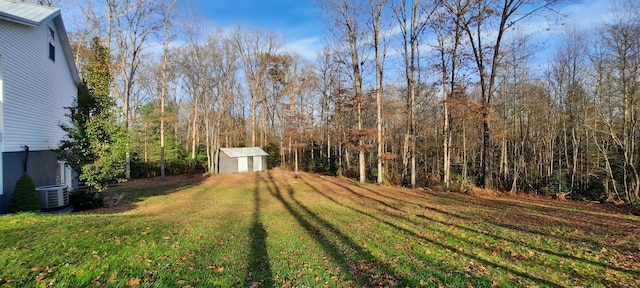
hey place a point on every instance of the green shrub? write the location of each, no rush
(274, 158)
(24, 196)
(85, 200)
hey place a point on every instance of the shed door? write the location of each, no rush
(257, 163)
(243, 164)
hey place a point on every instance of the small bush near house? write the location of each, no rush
(85, 200)
(24, 196)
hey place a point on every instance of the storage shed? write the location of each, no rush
(243, 159)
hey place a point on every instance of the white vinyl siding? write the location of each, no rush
(36, 89)
(1, 130)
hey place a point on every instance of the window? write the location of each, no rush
(52, 44)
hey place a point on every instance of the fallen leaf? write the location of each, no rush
(133, 281)
(41, 276)
(111, 279)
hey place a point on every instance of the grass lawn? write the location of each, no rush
(273, 229)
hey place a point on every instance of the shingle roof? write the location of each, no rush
(244, 152)
(27, 14)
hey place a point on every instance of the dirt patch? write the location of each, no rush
(482, 192)
(347, 187)
(157, 181)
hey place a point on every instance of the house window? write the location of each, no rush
(52, 44)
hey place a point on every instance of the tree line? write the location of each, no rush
(414, 93)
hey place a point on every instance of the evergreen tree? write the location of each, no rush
(24, 197)
(96, 143)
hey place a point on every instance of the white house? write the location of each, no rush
(38, 79)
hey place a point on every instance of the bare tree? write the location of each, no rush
(133, 28)
(345, 20)
(617, 62)
(448, 34)
(251, 44)
(377, 7)
(327, 76)
(476, 19)
(410, 34)
(49, 3)
(567, 76)
(168, 15)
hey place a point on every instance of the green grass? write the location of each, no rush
(243, 230)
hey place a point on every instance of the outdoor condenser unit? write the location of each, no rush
(53, 196)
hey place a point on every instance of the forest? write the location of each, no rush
(449, 93)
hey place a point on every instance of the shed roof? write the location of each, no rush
(244, 152)
(27, 14)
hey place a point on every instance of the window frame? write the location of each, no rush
(52, 44)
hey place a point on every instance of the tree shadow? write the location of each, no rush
(259, 273)
(420, 236)
(520, 209)
(527, 213)
(361, 266)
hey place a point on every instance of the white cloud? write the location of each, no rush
(306, 47)
(585, 14)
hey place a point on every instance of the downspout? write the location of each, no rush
(26, 159)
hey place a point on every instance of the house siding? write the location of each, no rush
(41, 168)
(33, 95)
(34, 99)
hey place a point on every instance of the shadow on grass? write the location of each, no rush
(259, 273)
(358, 263)
(440, 244)
(519, 210)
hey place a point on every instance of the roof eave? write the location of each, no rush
(66, 49)
(28, 22)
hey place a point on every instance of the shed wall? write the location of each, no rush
(227, 164)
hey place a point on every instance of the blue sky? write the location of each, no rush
(302, 27)
(297, 21)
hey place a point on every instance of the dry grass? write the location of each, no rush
(278, 229)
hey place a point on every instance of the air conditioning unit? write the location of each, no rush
(53, 196)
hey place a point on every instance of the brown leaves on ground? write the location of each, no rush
(133, 281)
(569, 223)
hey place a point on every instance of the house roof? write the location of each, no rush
(244, 152)
(35, 16)
(27, 14)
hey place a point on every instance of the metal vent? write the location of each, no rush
(53, 196)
